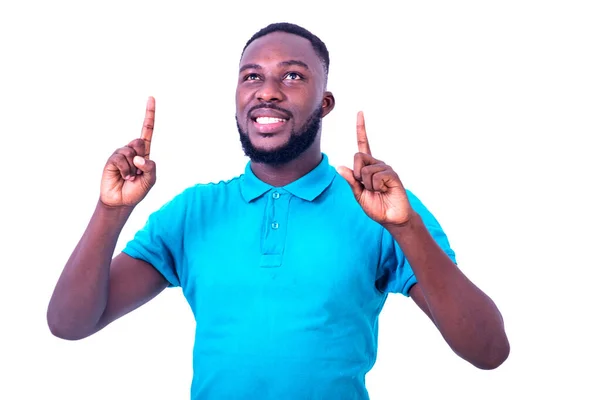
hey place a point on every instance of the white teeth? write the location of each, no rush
(269, 120)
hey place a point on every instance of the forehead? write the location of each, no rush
(276, 47)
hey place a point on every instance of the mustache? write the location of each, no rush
(272, 107)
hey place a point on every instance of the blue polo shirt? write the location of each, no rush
(285, 283)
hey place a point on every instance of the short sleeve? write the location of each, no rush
(396, 275)
(160, 241)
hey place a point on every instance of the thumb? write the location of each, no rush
(148, 167)
(348, 175)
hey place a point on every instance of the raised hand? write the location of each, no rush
(375, 185)
(129, 174)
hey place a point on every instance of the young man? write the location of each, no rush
(285, 267)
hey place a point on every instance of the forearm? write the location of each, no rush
(467, 318)
(80, 295)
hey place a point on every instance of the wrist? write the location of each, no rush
(406, 229)
(109, 211)
(412, 221)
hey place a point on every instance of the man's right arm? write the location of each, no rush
(94, 290)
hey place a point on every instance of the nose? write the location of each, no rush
(270, 91)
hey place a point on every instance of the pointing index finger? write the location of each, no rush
(148, 127)
(361, 134)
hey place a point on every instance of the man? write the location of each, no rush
(286, 267)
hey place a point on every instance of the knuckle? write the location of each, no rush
(116, 157)
(136, 142)
(139, 147)
(126, 151)
(119, 161)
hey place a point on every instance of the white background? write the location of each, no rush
(489, 111)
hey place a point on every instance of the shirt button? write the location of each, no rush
(274, 225)
(275, 195)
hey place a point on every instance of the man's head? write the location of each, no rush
(281, 93)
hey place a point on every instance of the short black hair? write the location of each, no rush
(294, 29)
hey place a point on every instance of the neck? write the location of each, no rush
(281, 175)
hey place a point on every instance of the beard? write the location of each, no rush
(297, 144)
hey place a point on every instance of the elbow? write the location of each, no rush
(61, 330)
(63, 333)
(485, 354)
(496, 355)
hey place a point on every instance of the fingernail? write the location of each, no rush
(139, 172)
(139, 160)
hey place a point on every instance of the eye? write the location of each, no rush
(252, 77)
(293, 76)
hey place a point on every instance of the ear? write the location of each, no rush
(327, 104)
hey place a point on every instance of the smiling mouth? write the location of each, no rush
(269, 125)
(269, 120)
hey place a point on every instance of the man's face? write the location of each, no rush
(280, 98)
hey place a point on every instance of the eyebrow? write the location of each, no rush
(283, 63)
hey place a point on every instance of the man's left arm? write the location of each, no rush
(466, 317)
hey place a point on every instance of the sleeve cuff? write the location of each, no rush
(166, 272)
(409, 284)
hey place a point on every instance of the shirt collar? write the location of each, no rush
(308, 187)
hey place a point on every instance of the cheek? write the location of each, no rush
(309, 100)
(241, 100)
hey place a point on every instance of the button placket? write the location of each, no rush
(275, 235)
(275, 196)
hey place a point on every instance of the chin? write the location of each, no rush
(269, 143)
